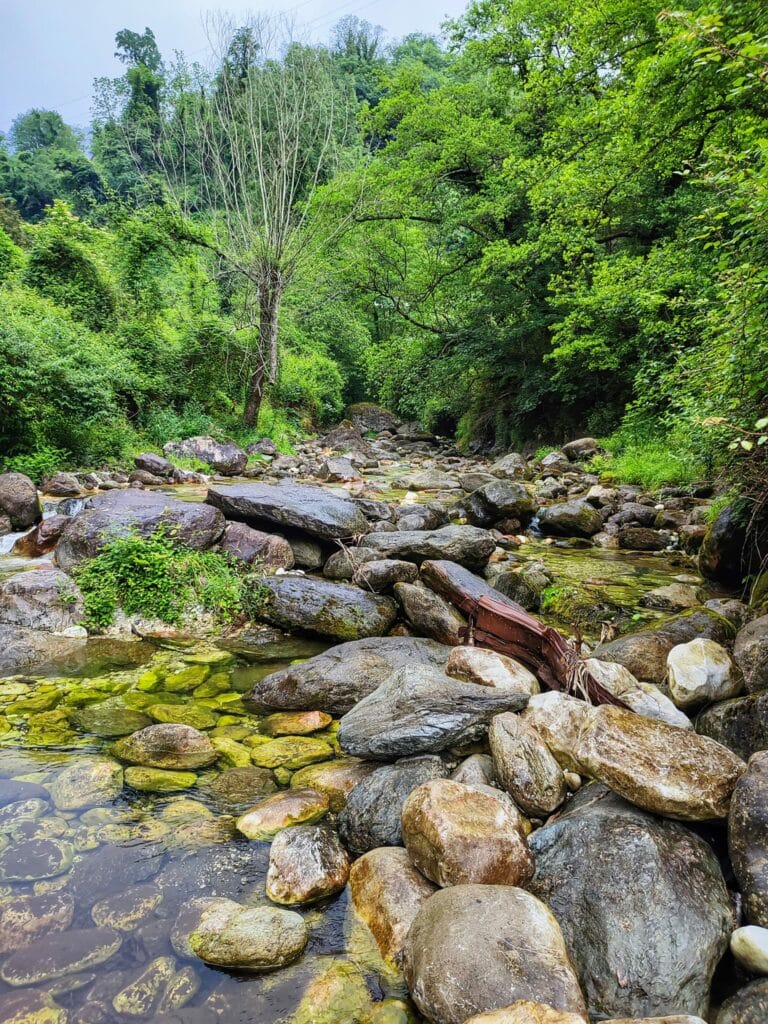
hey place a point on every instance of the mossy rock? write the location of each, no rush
(187, 679)
(194, 715)
(158, 780)
(291, 752)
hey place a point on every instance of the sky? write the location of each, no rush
(51, 50)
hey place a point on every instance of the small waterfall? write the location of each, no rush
(8, 540)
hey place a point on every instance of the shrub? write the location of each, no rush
(153, 578)
(311, 383)
(649, 463)
(39, 464)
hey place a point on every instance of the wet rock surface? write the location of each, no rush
(333, 610)
(310, 509)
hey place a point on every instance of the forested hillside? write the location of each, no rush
(552, 222)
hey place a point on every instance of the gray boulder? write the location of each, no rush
(41, 599)
(420, 710)
(371, 817)
(311, 509)
(750, 652)
(339, 470)
(748, 1006)
(748, 838)
(429, 614)
(581, 448)
(19, 500)
(500, 499)
(473, 948)
(154, 464)
(249, 545)
(510, 467)
(369, 416)
(467, 545)
(382, 573)
(223, 457)
(334, 610)
(336, 680)
(740, 724)
(62, 485)
(143, 513)
(570, 519)
(642, 904)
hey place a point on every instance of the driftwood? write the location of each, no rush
(504, 626)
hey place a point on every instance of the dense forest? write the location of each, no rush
(552, 221)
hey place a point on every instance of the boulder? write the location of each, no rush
(487, 668)
(642, 538)
(87, 783)
(382, 573)
(524, 766)
(306, 863)
(318, 606)
(311, 509)
(336, 680)
(173, 746)
(581, 448)
(748, 838)
(642, 698)
(140, 513)
(158, 780)
(570, 519)
(255, 939)
(291, 752)
(283, 810)
(750, 948)
(335, 779)
(468, 545)
(722, 555)
(249, 546)
(41, 599)
(372, 814)
(41, 539)
(740, 724)
(510, 467)
(237, 789)
(420, 710)
(748, 1006)
(526, 1012)
(294, 723)
(223, 457)
(642, 904)
(500, 499)
(457, 834)
(675, 597)
(428, 480)
(750, 652)
(149, 462)
(19, 500)
(24, 919)
(109, 719)
(62, 485)
(554, 464)
(338, 470)
(477, 769)
(701, 672)
(35, 860)
(645, 653)
(473, 948)
(429, 614)
(663, 769)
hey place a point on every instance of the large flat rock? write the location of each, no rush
(311, 509)
(467, 545)
(141, 513)
(335, 610)
(337, 679)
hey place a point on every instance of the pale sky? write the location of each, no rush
(51, 50)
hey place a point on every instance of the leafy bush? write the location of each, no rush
(39, 464)
(154, 578)
(11, 256)
(649, 463)
(311, 383)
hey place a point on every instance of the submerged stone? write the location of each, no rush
(25, 919)
(177, 747)
(282, 810)
(157, 780)
(87, 783)
(56, 955)
(258, 939)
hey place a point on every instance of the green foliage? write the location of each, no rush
(311, 383)
(39, 464)
(154, 578)
(651, 463)
(10, 256)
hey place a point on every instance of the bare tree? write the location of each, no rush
(246, 145)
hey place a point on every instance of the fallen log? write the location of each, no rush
(504, 626)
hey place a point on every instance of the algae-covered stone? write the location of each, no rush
(194, 715)
(473, 948)
(339, 993)
(457, 834)
(177, 747)
(109, 719)
(155, 988)
(335, 779)
(258, 939)
(327, 609)
(186, 679)
(188, 920)
(239, 788)
(86, 783)
(63, 953)
(283, 810)
(158, 780)
(306, 863)
(31, 1007)
(25, 919)
(387, 892)
(291, 752)
(126, 910)
(35, 859)
(295, 723)
(231, 753)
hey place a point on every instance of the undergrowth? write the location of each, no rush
(651, 464)
(154, 578)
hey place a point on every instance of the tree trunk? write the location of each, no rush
(270, 293)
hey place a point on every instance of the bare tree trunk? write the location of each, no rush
(270, 293)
